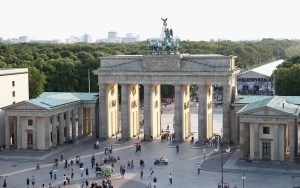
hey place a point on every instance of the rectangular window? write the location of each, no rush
(266, 148)
(65, 116)
(29, 138)
(50, 120)
(13, 93)
(266, 130)
(13, 83)
(30, 122)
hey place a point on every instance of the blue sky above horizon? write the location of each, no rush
(190, 19)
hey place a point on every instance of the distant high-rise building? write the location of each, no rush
(72, 40)
(112, 35)
(130, 38)
(1, 40)
(86, 38)
(23, 39)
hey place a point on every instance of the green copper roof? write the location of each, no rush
(246, 99)
(275, 102)
(50, 100)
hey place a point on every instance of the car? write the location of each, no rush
(161, 161)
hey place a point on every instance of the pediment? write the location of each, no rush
(23, 106)
(267, 111)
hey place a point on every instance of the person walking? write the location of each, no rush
(50, 174)
(142, 173)
(170, 178)
(154, 182)
(177, 149)
(198, 167)
(33, 181)
(4, 183)
(204, 153)
(27, 182)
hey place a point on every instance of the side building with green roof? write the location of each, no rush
(266, 127)
(51, 119)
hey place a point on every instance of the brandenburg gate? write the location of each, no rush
(163, 66)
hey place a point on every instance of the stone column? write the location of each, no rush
(256, 141)
(73, 125)
(276, 142)
(34, 133)
(226, 110)
(68, 125)
(242, 141)
(54, 130)
(124, 112)
(147, 111)
(202, 108)
(80, 122)
(292, 140)
(7, 133)
(84, 121)
(178, 113)
(19, 133)
(61, 129)
(94, 122)
(103, 131)
(89, 122)
(47, 134)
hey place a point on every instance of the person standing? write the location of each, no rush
(50, 174)
(81, 171)
(131, 164)
(177, 149)
(142, 173)
(27, 182)
(170, 178)
(87, 172)
(65, 179)
(198, 167)
(204, 153)
(61, 156)
(33, 181)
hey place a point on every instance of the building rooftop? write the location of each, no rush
(51, 100)
(246, 99)
(11, 71)
(275, 102)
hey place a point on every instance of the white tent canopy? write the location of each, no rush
(264, 71)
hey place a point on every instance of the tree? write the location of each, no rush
(37, 80)
(287, 77)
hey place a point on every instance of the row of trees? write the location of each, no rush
(65, 67)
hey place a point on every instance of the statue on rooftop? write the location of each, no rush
(168, 45)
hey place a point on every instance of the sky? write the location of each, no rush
(193, 20)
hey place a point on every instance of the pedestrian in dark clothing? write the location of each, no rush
(87, 172)
(50, 174)
(142, 173)
(154, 182)
(27, 182)
(4, 183)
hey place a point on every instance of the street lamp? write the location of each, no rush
(221, 146)
(243, 178)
